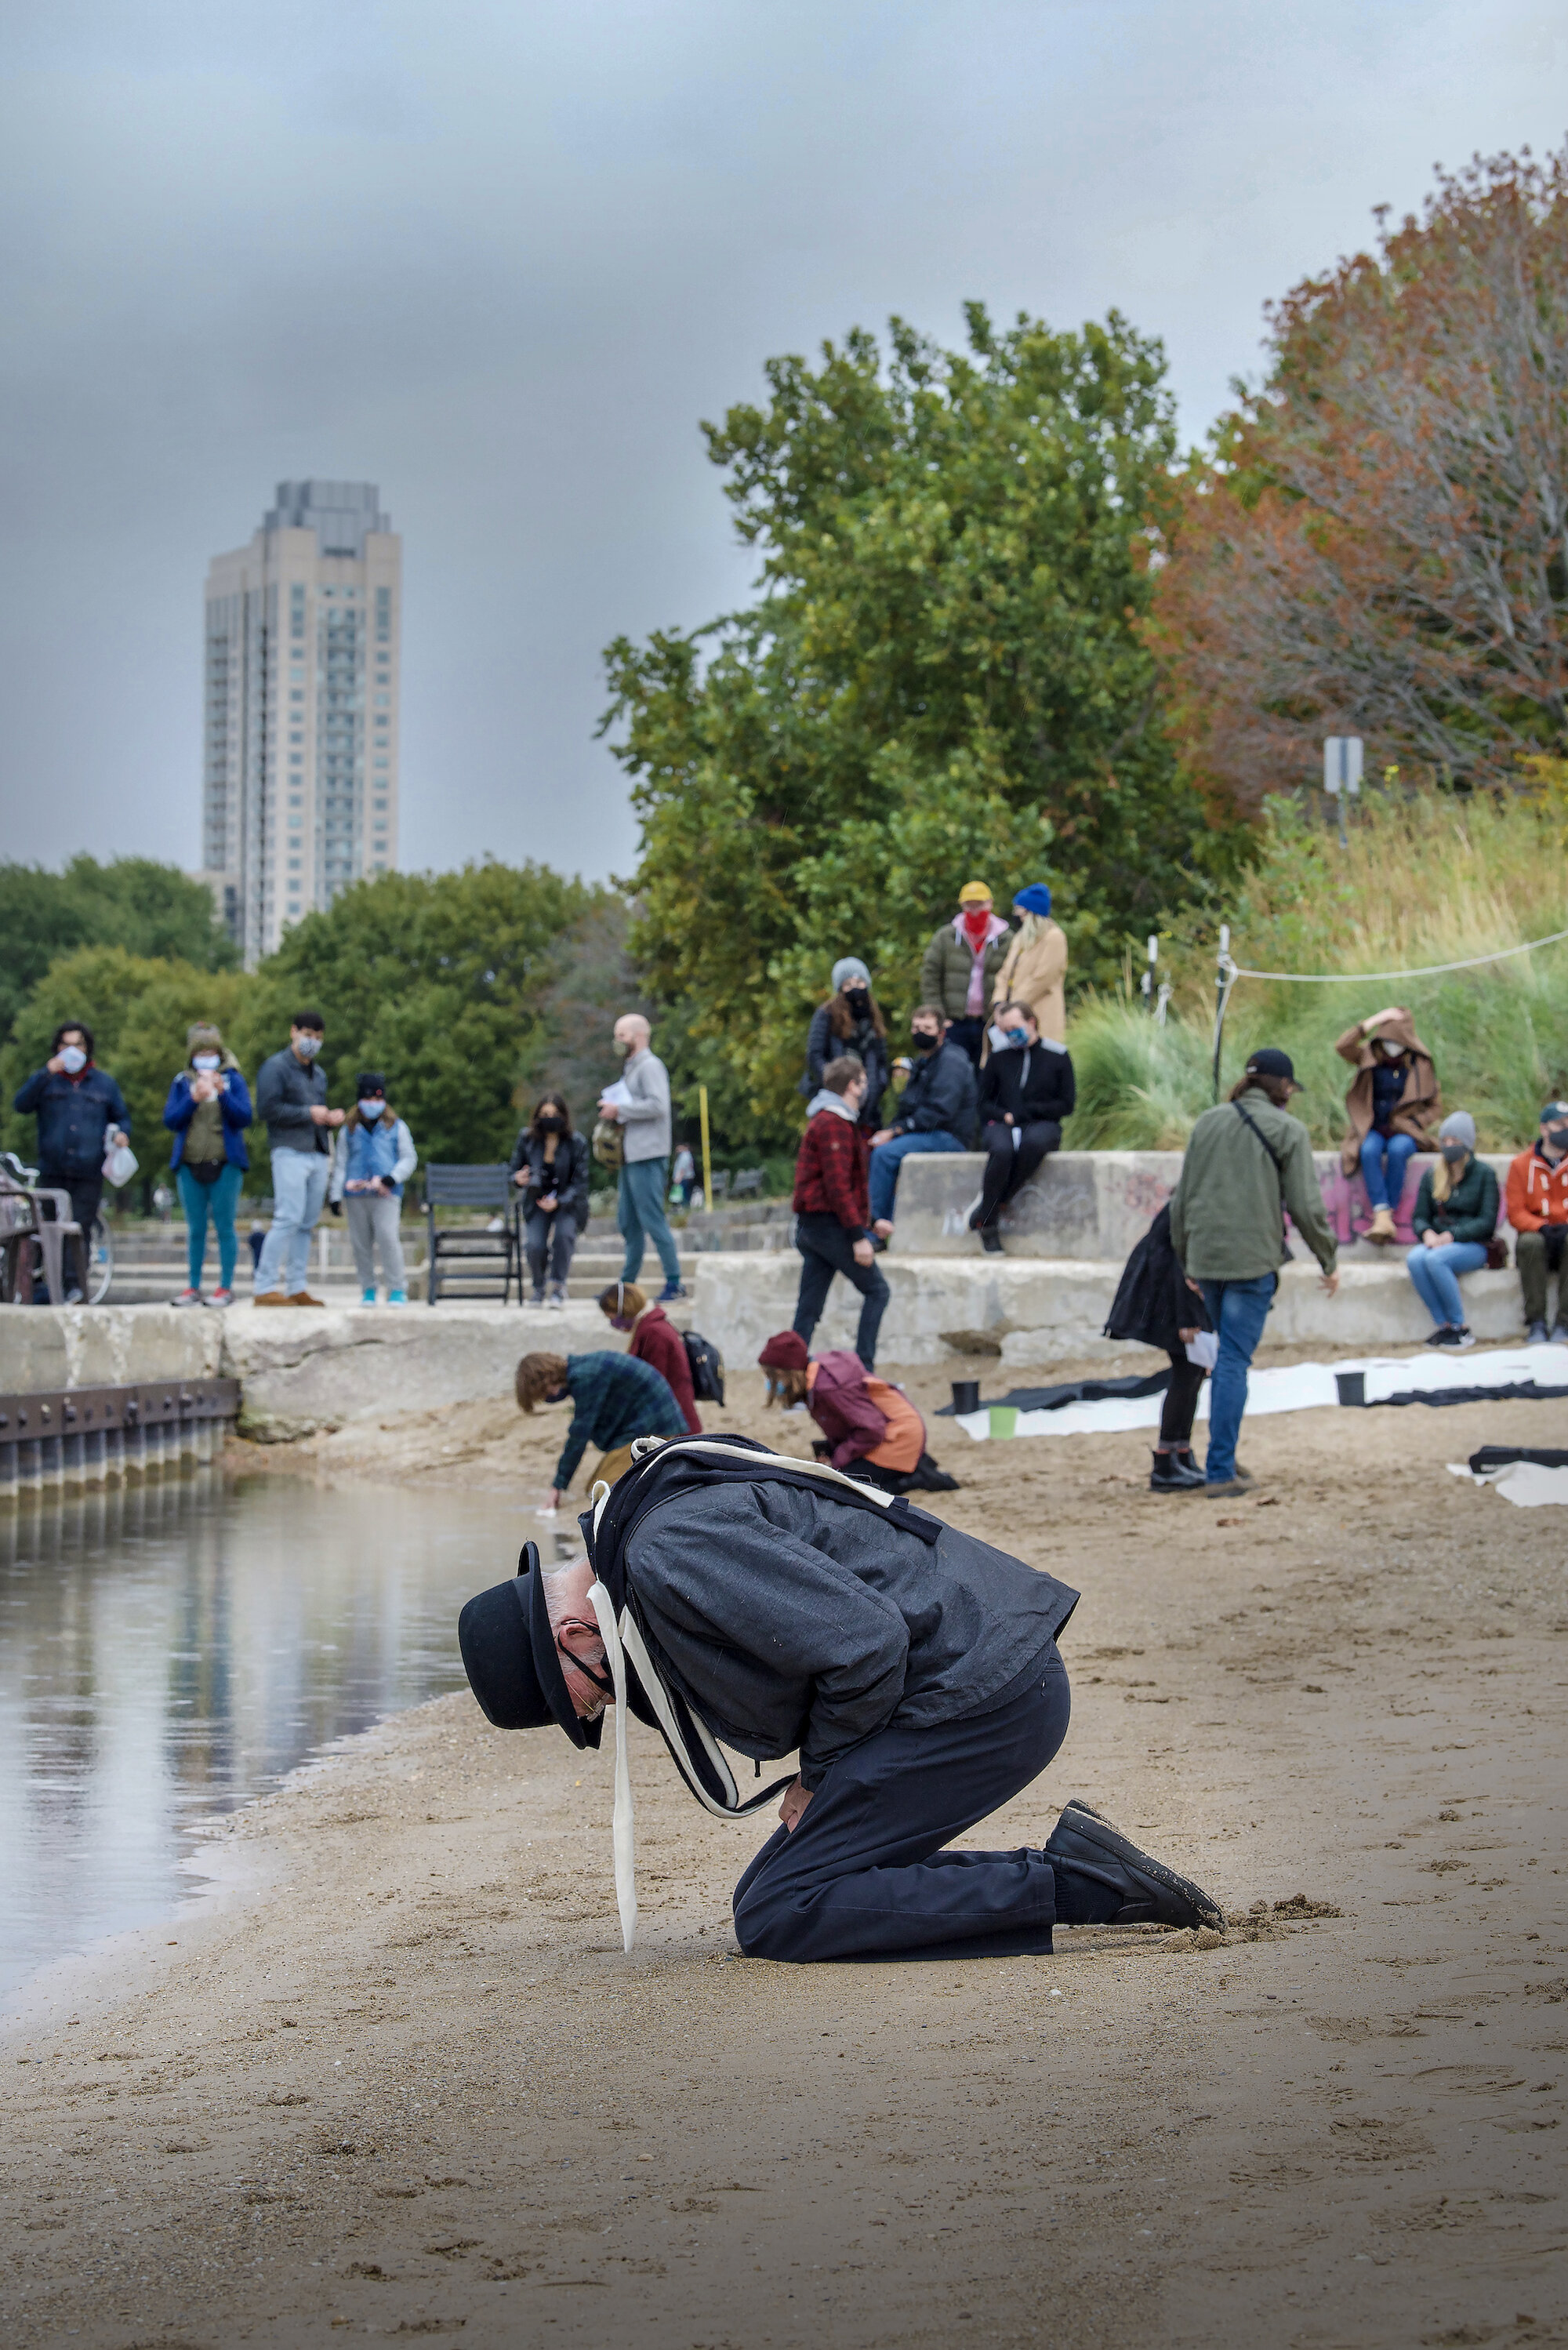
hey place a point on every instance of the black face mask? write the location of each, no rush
(923, 1043)
(857, 998)
(552, 1125)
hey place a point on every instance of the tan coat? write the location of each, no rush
(1420, 1105)
(1035, 974)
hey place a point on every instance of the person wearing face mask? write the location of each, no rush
(1026, 1090)
(1034, 971)
(615, 1400)
(833, 1207)
(291, 1097)
(1455, 1219)
(372, 1158)
(639, 1106)
(937, 1112)
(849, 1022)
(81, 1117)
(550, 1163)
(207, 1111)
(654, 1340)
(961, 966)
(1392, 1104)
(1538, 1211)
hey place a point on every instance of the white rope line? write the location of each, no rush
(1236, 970)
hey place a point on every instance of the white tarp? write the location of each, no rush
(1528, 1484)
(1296, 1386)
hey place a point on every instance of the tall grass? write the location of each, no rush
(1424, 881)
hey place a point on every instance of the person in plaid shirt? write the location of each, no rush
(614, 1399)
(832, 1206)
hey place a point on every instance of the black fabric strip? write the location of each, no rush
(1498, 1456)
(1072, 1392)
(1524, 1391)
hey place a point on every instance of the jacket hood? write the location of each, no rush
(826, 1099)
(1403, 1032)
(995, 929)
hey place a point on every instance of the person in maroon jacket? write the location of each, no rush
(832, 1206)
(870, 1428)
(654, 1339)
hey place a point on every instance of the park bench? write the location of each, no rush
(748, 1184)
(461, 1254)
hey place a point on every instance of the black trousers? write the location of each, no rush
(1007, 1167)
(86, 1196)
(826, 1249)
(971, 1035)
(864, 1875)
(1180, 1400)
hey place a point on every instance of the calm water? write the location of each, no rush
(169, 1652)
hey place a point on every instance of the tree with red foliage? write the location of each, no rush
(1378, 544)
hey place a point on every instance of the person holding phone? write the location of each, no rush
(207, 1111)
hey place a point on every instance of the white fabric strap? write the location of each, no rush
(624, 1836)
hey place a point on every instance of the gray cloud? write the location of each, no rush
(500, 258)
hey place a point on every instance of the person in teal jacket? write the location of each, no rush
(1455, 1218)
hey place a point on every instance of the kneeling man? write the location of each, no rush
(729, 1594)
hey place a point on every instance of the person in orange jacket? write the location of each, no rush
(1537, 1199)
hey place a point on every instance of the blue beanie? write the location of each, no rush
(1035, 900)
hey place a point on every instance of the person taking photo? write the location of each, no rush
(207, 1111)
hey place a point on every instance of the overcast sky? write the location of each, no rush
(500, 257)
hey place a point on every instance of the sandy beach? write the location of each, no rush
(394, 2075)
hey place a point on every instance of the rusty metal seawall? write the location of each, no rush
(60, 1436)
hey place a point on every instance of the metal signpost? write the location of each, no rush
(1342, 773)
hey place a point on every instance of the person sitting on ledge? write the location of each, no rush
(615, 1400)
(729, 1594)
(1391, 1104)
(937, 1112)
(1455, 1219)
(1538, 1211)
(870, 1428)
(1026, 1089)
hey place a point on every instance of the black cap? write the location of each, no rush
(510, 1657)
(1271, 1062)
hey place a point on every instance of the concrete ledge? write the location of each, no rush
(1036, 1311)
(106, 1346)
(1084, 1204)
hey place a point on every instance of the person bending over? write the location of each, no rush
(870, 1428)
(1538, 1211)
(736, 1596)
(655, 1340)
(614, 1399)
(1391, 1104)
(1025, 1092)
(1455, 1216)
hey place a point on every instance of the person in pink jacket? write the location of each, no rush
(869, 1427)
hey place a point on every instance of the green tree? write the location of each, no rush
(450, 983)
(943, 676)
(149, 910)
(139, 1008)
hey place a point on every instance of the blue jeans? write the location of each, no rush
(218, 1200)
(639, 1213)
(1238, 1309)
(1384, 1158)
(298, 1189)
(1435, 1273)
(888, 1157)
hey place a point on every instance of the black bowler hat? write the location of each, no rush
(510, 1656)
(1271, 1062)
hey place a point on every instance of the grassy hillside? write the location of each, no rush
(1427, 881)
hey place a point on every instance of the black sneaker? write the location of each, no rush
(1458, 1335)
(990, 1239)
(1172, 1474)
(1084, 1843)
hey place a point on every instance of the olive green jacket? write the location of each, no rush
(1225, 1220)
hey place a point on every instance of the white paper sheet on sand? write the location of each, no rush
(1298, 1387)
(1528, 1484)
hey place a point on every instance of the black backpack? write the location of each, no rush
(706, 1366)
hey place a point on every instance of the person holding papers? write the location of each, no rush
(639, 1104)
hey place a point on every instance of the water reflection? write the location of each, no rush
(168, 1650)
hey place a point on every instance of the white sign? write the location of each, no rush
(1342, 764)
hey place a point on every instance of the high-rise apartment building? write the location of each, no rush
(300, 789)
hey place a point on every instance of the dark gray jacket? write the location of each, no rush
(789, 1620)
(286, 1090)
(941, 1095)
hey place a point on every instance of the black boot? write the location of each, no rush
(1172, 1474)
(1102, 1879)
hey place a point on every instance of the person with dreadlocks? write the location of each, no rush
(778, 1606)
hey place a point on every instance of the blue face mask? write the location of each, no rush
(308, 1047)
(371, 1110)
(1017, 1035)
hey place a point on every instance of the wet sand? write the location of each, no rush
(397, 2076)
